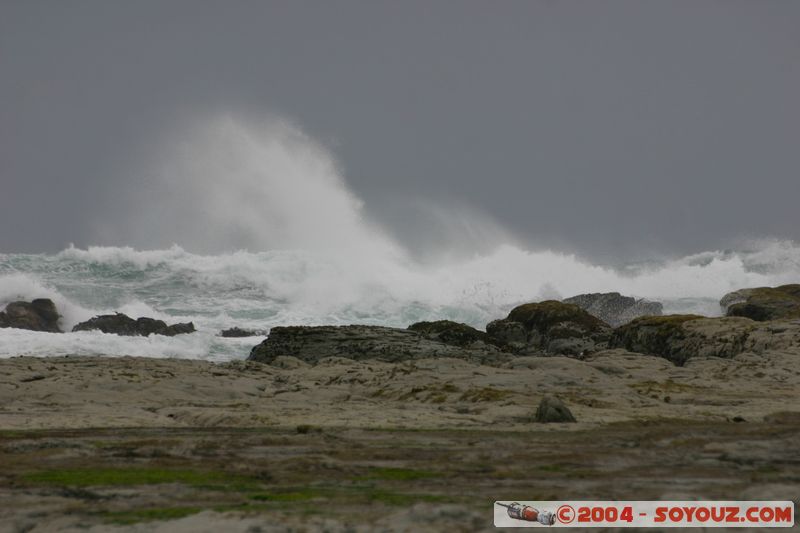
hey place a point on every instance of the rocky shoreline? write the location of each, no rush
(756, 320)
(374, 426)
(553, 328)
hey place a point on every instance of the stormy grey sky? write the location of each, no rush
(606, 127)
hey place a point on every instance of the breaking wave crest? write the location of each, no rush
(259, 290)
(308, 254)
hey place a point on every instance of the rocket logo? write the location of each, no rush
(527, 513)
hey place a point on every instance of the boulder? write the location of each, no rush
(508, 334)
(679, 338)
(552, 409)
(37, 315)
(658, 335)
(615, 309)
(549, 327)
(453, 333)
(122, 324)
(763, 303)
(313, 343)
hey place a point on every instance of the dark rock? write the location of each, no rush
(552, 409)
(122, 324)
(46, 309)
(147, 326)
(679, 338)
(615, 309)
(549, 327)
(763, 303)
(38, 315)
(118, 323)
(238, 332)
(508, 334)
(655, 335)
(312, 343)
(180, 328)
(453, 333)
(32, 377)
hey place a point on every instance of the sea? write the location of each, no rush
(269, 234)
(259, 290)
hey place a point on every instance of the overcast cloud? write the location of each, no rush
(613, 128)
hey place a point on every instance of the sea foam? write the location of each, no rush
(269, 234)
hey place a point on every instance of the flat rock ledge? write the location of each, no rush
(310, 344)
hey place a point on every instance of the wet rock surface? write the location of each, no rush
(231, 333)
(121, 324)
(615, 309)
(37, 315)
